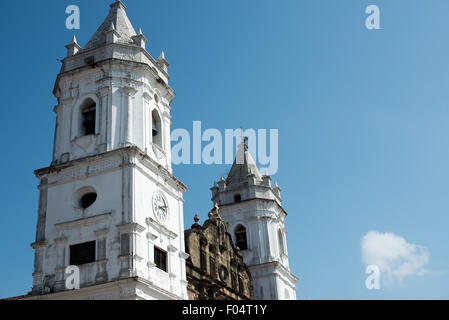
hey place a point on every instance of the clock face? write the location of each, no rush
(160, 206)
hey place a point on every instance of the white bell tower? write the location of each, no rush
(108, 202)
(252, 207)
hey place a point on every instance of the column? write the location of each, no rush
(146, 121)
(103, 119)
(129, 251)
(127, 115)
(150, 254)
(38, 275)
(171, 261)
(61, 247)
(101, 259)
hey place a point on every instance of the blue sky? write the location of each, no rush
(363, 119)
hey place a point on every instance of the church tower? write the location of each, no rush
(108, 203)
(252, 208)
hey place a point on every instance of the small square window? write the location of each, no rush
(237, 198)
(160, 259)
(82, 253)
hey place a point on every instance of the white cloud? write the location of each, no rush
(395, 257)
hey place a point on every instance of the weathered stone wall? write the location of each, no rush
(215, 269)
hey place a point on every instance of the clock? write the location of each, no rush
(160, 206)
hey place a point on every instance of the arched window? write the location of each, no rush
(156, 128)
(281, 241)
(240, 237)
(87, 117)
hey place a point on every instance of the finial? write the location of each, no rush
(276, 188)
(74, 40)
(163, 62)
(140, 39)
(266, 179)
(196, 219)
(112, 35)
(118, 3)
(73, 47)
(221, 184)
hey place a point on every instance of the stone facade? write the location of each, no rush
(215, 269)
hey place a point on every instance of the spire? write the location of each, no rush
(243, 166)
(73, 40)
(117, 19)
(73, 47)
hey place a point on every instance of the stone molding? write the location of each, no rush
(82, 222)
(161, 228)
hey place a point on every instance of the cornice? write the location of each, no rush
(89, 52)
(254, 199)
(101, 232)
(57, 168)
(171, 248)
(153, 69)
(39, 244)
(183, 255)
(131, 227)
(151, 236)
(82, 222)
(128, 90)
(61, 240)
